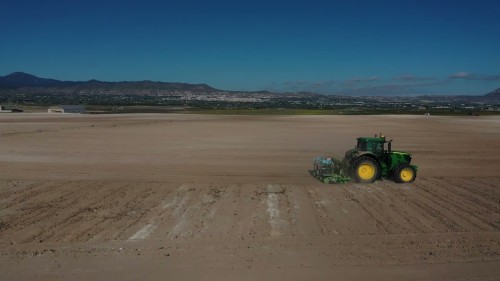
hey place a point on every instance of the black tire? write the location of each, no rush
(404, 173)
(365, 170)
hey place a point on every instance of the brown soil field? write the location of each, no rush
(203, 197)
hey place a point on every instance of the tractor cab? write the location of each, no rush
(375, 145)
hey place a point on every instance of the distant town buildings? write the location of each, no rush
(73, 103)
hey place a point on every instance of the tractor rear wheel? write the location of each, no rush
(366, 170)
(405, 174)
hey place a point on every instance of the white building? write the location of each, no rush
(3, 110)
(67, 109)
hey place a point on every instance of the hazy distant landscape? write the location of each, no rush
(25, 90)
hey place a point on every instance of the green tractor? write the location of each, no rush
(371, 159)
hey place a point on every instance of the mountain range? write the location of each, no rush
(23, 83)
(21, 80)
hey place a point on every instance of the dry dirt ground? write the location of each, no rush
(200, 197)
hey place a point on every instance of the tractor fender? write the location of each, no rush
(367, 154)
(381, 166)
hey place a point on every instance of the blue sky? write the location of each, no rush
(330, 47)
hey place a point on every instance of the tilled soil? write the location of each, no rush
(230, 197)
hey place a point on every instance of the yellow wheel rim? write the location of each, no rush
(406, 174)
(366, 171)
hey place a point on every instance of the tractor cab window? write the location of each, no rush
(361, 145)
(378, 148)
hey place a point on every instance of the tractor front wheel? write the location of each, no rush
(366, 170)
(405, 174)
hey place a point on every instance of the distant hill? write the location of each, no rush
(21, 79)
(493, 94)
(30, 83)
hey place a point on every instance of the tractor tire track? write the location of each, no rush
(467, 207)
(473, 199)
(42, 212)
(370, 210)
(117, 211)
(396, 210)
(155, 214)
(452, 209)
(74, 217)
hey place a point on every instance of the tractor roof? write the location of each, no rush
(371, 139)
